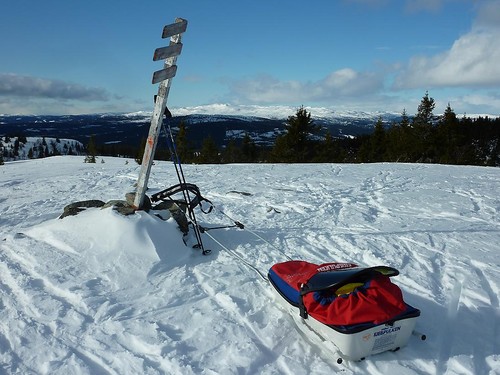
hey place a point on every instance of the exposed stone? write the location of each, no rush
(76, 207)
(120, 206)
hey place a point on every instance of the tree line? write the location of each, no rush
(422, 138)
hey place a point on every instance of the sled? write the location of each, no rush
(358, 309)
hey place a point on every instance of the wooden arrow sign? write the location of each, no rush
(166, 52)
(161, 75)
(178, 27)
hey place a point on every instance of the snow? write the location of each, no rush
(283, 112)
(270, 112)
(101, 293)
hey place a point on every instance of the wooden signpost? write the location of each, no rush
(164, 77)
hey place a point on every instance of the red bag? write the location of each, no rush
(376, 301)
(353, 295)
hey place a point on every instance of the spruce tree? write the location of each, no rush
(423, 148)
(378, 142)
(232, 153)
(248, 149)
(425, 110)
(209, 153)
(181, 144)
(140, 153)
(295, 146)
(91, 151)
(448, 136)
(329, 150)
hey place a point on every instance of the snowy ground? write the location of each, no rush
(100, 293)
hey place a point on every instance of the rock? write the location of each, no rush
(120, 206)
(76, 207)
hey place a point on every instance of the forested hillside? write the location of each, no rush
(422, 138)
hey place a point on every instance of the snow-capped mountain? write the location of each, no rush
(250, 112)
(221, 121)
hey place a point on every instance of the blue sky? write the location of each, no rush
(70, 57)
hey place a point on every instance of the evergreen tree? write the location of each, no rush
(425, 110)
(209, 153)
(41, 151)
(91, 151)
(374, 146)
(448, 137)
(248, 149)
(232, 153)
(16, 147)
(378, 142)
(182, 146)
(22, 138)
(329, 150)
(140, 152)
(423, 148)
(295, 146)
(405, 120)
(1, 153)
(400, 140)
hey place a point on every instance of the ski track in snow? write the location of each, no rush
(102, 294)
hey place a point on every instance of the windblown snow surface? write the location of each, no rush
(101, 293)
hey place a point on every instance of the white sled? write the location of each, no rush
(354, 342)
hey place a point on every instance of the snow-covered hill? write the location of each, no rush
(101, 293)
(20, 148)
(274, 112)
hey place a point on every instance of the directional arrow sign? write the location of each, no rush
(161, 75)
(166, 52)
(175, 28)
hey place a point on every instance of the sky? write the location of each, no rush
(93, 56)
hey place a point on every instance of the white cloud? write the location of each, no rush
(343, 83)
(477, 103)
(34, 87)
(472, 60)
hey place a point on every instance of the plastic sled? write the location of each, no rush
(358, 309)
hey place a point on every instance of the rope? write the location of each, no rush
(236, 255)
(244, 227)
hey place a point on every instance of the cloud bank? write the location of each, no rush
(343, 83)
(33, 87)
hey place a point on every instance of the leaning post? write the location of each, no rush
(164, 77)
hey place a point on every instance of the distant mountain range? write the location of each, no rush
(221, 122)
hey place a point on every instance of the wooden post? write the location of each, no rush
(163, 76)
